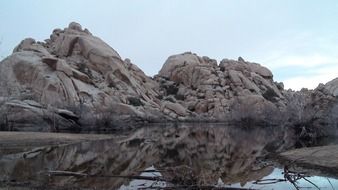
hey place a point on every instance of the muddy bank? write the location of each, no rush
(13, 142)
(324, 158)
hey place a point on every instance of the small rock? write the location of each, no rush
(75, 26)
(240, 59)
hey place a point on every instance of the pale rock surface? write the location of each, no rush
(77, 71)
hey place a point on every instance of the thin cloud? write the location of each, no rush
(306, 61)
(311, 81)
(299, 49)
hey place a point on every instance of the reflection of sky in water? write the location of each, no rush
(321, 182)
(135, 184)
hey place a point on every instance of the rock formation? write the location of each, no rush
(75, 81)
(231, 90)
(74, 71)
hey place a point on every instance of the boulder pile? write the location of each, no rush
(75, 81)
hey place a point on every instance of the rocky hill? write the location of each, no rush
(75, 81)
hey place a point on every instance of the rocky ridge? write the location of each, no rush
(75, 81)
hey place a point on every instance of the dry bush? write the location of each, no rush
(4, 123)
(251, 114)
(105, 118)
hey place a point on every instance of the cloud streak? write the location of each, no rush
(305, 61)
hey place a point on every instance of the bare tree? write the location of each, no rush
(4, 124)
(4, 98)
(105, 117)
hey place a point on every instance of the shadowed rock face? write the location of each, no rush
(199, 154)
(75, 81)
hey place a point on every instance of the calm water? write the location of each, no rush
(151, 157)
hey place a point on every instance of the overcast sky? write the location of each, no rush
(296, 39)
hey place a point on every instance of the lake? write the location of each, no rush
(181, 156)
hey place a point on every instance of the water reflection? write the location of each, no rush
(184, 155)
(277, 174)
(139, 183)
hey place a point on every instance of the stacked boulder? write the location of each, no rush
(228, 91)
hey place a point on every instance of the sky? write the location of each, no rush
(296, 40)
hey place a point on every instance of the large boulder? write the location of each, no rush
(29, 115)
(189, 69)
(244, 66)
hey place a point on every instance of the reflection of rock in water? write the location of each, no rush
(206, 153)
